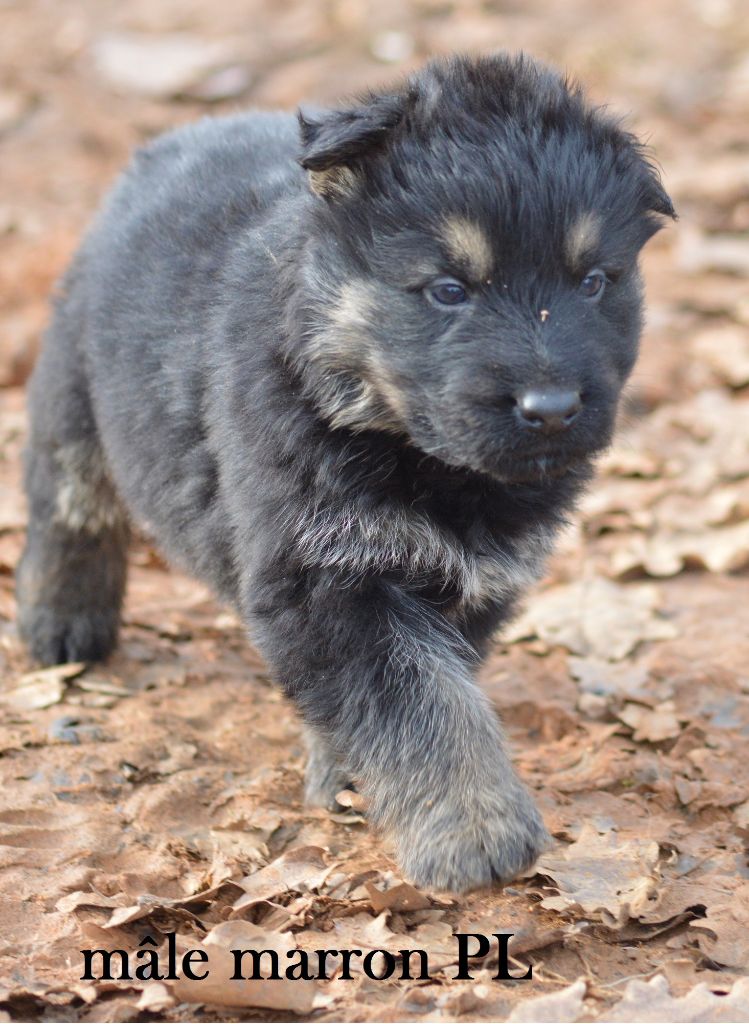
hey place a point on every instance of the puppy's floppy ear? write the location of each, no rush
(334, 141)
(658, 200)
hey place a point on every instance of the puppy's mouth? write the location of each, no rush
(537, 469)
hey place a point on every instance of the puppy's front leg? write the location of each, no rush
(381, 675)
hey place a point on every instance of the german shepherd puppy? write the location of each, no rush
(351, 369)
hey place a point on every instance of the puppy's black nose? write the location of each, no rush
(547, 409)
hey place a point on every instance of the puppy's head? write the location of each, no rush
(470, 278)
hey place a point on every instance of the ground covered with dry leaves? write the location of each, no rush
(162, 792)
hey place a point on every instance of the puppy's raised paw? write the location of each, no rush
(464, 847)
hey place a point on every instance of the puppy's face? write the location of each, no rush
(471, 280)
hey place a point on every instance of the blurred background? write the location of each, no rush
(83, 81)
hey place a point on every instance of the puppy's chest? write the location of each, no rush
(492, 568)
(474, 566)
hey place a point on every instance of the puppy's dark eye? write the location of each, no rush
(592, 285)
(448, 292)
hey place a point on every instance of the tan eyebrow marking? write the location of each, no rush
(467, 243)
(582, 237)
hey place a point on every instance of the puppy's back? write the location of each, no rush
(151, 278)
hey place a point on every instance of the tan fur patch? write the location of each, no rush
(582, 238)
(335, 181)
(355, 306)
(86, 500)
(467, 243)
(354, 387)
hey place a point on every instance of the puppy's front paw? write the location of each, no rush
(457, 846)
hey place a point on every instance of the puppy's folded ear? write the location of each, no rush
(656, 204)
(660, 201)
(657, 199)
(333, 142)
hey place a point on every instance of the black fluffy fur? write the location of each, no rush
(257, 372)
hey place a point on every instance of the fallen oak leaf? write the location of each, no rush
(609, 679)
(602, 876)
(220, 986)
(350, 798)
(401, 897)
(244, 934)
(666, 553)
(42, 688)
(73, 900)
(724, 931)
(651, 1000)
(148, 904)
(563, 1006)
(156, 997)
(682, 895)
(298, 870)
(594, 617)
(651, 724)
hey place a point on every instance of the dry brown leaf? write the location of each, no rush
(73, 900)
(594, 618)
(350, 798)
(401, 897)
(362, 931)
(606, 678)
(741, 814)
(652, 725)
(42, 688)
(603, 876)
(245, 935)
(724, 931)
(652, 1001)
(96, 684)
(720, 549)
(148, 904)
(156, 997)
(678, 895)
(297, 870)
(219, 987)
(566, 1005)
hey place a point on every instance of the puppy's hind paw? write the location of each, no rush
(54, 637)
(324, 777)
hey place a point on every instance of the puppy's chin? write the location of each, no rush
(539, 469)
(530, 470)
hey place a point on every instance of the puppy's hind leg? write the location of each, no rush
(71, 577)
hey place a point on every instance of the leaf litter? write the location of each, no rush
(162, 793)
